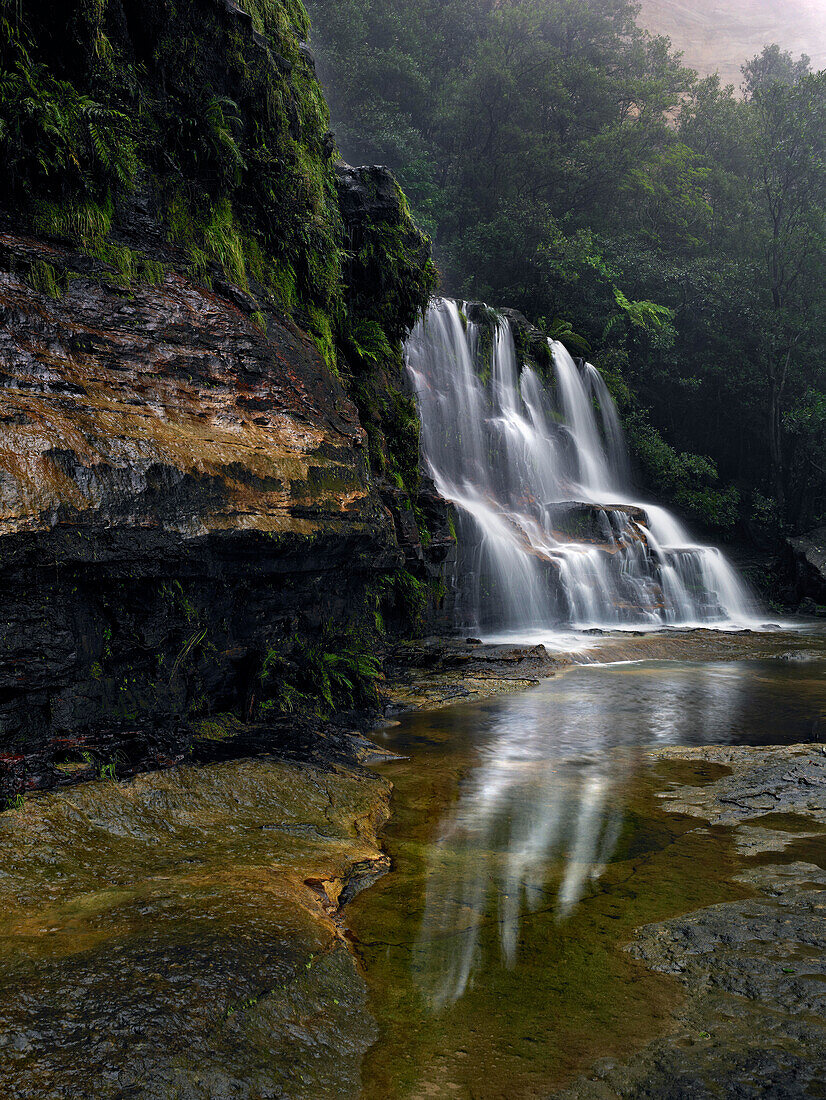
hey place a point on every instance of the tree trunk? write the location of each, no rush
(778, 474)
(777, 375)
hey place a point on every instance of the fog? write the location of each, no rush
(719, 35)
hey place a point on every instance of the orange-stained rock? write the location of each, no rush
(168, 407)
(179, 492)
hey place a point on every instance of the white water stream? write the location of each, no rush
(549, 532)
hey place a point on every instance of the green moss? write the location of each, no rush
(231, 148)
(322, 333)
(80, 220)
(333, 671)
(402, 600)
(228, 140)
(217, 728)
(451, 523)
(46, 279)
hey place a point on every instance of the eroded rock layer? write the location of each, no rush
(182, 493)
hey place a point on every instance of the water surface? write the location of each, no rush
(528, 841)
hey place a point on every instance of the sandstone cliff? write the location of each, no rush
(210, 503)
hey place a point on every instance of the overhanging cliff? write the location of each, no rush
(210, 503)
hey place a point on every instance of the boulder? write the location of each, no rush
(803, 563)
(595, 523)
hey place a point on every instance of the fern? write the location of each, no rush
(562, 331)
(369, 341)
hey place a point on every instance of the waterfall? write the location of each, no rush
(549, 534)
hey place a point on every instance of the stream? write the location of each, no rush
(528, 840)
(198, 934)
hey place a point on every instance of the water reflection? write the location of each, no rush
(540, 812)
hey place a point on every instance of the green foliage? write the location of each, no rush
(687, 480)
(563, 331)
(368, 341)
(209, 236)
(103, 769)
(656, 320)
(54, 138)
(45, 278)
(337, 671)
(566, 163)
(79, 220)
(411, 594)
(217, 126)
(229, 145)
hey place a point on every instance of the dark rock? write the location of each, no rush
(178, 489)
(369, 193)
(529, 340)
(802, 567)
(751, 1023)
(587, 522)
(212, 961)
(307, 54)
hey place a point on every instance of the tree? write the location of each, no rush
(788, 147)
(565, 162)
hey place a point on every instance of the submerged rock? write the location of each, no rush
(753, 1020)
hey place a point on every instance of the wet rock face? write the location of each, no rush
(176, 488)
(803, 566)
(167, 408)
(180, 934)
(368, 193)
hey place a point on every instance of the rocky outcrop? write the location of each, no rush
(387, 256)
(752, 970)
(192, 943)
(803, 569)
(167, 409)
(585, 522)
(177, 487)
(209, 490)
(184, 485)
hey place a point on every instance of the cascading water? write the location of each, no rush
(540, 478)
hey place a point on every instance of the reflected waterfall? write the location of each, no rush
(540, 816)
(538, 471)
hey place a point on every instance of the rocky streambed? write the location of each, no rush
(571, 909)
(180, 934)
(752, 1020)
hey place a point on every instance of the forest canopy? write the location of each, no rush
(566, 163)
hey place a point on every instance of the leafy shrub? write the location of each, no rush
(686, 479)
